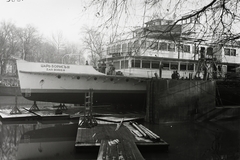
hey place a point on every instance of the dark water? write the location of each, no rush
(199, 141)
(188, 141)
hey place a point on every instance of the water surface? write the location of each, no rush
(56, 140)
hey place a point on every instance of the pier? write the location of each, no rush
(114, 141)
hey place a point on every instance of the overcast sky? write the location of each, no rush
(48, 16)
(67, 16)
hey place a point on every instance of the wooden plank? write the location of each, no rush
(133, 148)
(113, 153)
(102, 150)
(127, 151)
(119, 119)
(87, 137)
(94, 135)
(119, 149)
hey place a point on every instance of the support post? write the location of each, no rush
(150, 103)
(34, 107)
(15, 109)
(88, 120)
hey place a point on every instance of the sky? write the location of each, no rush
(54, 16)
(69, 16)
(48, 16)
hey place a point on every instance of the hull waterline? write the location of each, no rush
(98, 98)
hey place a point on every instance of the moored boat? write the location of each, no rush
(63, 83)
(153, 51)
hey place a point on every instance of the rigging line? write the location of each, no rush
(218, 97)
(215, 96)
(182, 90)
(203, 89)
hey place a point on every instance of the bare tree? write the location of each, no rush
(75, 55)
(8, 39)
(8, 42)
(217, 20)
(58, 41)
(94, 42)
(29, 39)
(27, 43)
(47, 53)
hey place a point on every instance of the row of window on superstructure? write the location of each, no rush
(164, 46)
(182, 66)
(161, 46)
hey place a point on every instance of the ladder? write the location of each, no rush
(88, 120)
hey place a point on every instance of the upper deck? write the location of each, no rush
(159, 38)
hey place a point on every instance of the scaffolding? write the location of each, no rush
(15, 109)
(208, 66)
(88, 120)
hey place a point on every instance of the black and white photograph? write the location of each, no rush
(119, 80)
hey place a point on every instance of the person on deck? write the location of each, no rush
(99, 66)
(103, 67)
(175, 75)
(111, 69)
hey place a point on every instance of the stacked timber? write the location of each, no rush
(143, 132)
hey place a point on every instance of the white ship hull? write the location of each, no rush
(69, 83)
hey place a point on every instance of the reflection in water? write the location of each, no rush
(9, 137)
(54, 142)
(29, 141)
(199, 141)
(188, 141)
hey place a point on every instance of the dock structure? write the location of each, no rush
(112, 140)
(47, 113)
(179, 100)
(27, 115)
(119, 149)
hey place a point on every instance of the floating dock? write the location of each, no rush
(118, 149)
(72, 113)
(26, 115)
(116, 140)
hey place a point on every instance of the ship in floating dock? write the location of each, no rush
(63, 83)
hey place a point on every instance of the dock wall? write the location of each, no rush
(179, 100)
